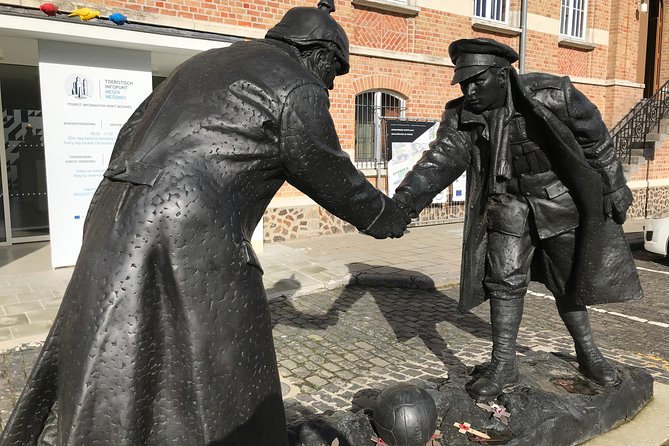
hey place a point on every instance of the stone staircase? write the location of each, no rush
(642, 130)
(653, 142)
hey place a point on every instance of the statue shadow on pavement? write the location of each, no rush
(408, 310)
(284, 288)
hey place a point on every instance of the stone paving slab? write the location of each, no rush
(30, 289)
(425, 257)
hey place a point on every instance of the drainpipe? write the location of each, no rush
(377, 146)
(523, 36)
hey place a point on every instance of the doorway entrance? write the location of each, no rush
(24, 216)
(653, 48)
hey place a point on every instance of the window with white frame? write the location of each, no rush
(371, 107)
(405, 7)
(572, 18)
(400, 2)
(494, 10)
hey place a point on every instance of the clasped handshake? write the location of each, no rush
(392, 221)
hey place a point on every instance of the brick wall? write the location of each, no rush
(623, 40)
(425, 87)
(544, 54)
(429, 34)
(604, 73)
(664, 69)
(435, 30)
(386, 31)
(617, 101)
(253, 13)
(546, 8)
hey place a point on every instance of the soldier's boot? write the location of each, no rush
(505, 317)
(591, 362)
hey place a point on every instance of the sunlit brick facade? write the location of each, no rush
(400, 47)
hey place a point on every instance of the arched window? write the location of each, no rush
(371, 107)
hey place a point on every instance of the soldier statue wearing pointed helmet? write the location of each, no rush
(164, 334)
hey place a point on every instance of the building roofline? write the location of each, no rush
(104, 23)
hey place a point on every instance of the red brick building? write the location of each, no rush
(611, 49)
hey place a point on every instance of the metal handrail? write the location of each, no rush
(635, 126)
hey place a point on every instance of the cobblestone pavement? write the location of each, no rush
(361, 339)
(337, 348)
(640, 329)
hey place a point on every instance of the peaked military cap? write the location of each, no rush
(473, 56)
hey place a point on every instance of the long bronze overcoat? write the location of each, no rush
(583, 156)
(164, 334)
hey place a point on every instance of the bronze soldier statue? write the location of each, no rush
(164, 333)
(544, 190)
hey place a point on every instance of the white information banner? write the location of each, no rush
(408, 140)
(460, 189)
(87, 95)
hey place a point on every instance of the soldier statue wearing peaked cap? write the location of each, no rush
(545, 193)
(164, 333)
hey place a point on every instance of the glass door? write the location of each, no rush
(4, 202)
(4, 198)
(23, 163)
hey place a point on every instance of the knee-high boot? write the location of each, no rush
(591, 361)
(505, 317)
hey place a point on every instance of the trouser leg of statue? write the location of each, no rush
(507, 263)
(556, 253)
(591, 361)
(502, 373)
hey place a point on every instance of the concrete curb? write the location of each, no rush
(23, 345)
(411, 281)
(650, 427)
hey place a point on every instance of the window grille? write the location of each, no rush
(572, 18)
(370, 109)
(495, 10)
